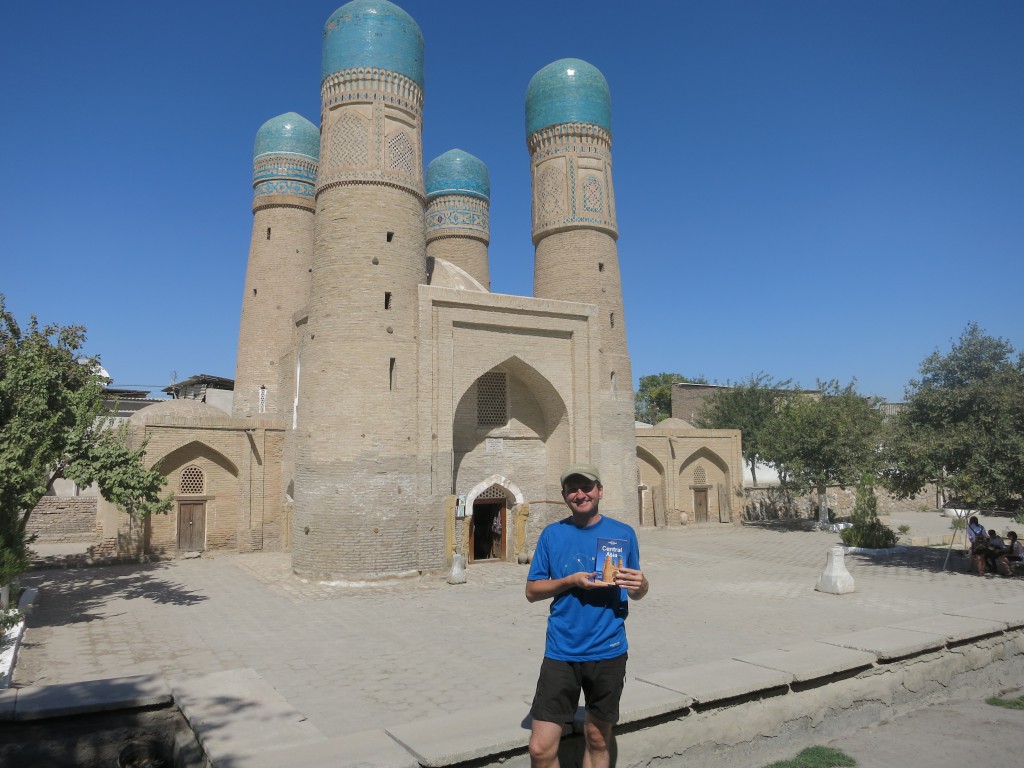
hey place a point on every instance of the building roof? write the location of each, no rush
(457, 173)
(175, 409)
(568, 91)
(287, 134)
(202, 379)
(376, 34)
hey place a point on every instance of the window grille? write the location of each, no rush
(401, 154)
(492, 399)
(494, 492)
(263, 399)
(699, 476)
(192, 480)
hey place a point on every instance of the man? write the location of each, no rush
(586, 636)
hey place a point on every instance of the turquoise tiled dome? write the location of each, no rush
(373, 33)
(457, 173)
(568, 91)
(287, 134)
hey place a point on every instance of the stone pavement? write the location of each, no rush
(353, 660)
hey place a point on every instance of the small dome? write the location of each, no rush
(457, 173)
(373, 33)
(287, 134)
(568, 91)
(178, 408)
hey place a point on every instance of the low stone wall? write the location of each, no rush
(64, 519)
(771, 503)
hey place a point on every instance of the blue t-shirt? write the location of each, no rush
(585, 624)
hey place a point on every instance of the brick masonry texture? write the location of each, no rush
(64, 519)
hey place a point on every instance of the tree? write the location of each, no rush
(962, 425)
(53, 425)
(654, 396)
(816, 442)
(748, 407)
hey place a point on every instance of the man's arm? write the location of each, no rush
(542, 589)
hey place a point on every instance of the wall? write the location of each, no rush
(61, 519)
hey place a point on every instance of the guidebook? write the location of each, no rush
(611, 555)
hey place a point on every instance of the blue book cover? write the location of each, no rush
(611, 555)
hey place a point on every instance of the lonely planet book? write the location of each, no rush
(611, 555)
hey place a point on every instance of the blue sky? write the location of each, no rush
(813, 188)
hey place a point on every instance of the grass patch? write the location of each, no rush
(1017, 703)
(817, 757)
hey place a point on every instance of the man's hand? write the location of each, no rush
(633, 581)
(542, 589)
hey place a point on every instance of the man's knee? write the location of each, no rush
(544, 740)
(597, 733)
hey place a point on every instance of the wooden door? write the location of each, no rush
(700, 505)
(191, 525)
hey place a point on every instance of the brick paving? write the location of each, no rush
(354, 659)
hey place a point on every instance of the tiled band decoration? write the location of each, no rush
(458, 215)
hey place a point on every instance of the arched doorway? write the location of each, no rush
(487, 539)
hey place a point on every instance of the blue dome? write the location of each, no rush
(287, 134)
(568, 91)
(373, 33)
(457, 173)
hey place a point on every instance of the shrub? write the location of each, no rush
(867, 530)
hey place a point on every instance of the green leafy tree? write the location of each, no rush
(816, 442)
(53, 425)
(962, 425)
(654, 396)
(749, 407)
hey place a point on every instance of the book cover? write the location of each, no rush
(611, 555)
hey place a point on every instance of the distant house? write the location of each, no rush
(212, 390)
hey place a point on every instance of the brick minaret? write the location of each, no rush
(458, 213)
(277, 276)
(568, 129)
(358, 479)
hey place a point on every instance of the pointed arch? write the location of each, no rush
(500, 480)
(179, 455)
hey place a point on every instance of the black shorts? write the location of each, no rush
(560, 683)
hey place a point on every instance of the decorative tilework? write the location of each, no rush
(592, 194)
(551, 191)
(372, 33)
(349, 142)
(287, 134)
(401, 153)
(568, 91)
(458, 214)
(457, 172)
(298, 167)
(283, 187)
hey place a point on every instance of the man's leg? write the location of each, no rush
(597, 737)
(544, 740)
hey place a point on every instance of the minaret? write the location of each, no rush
(568, 130)
(358, 479)
(458, 213)
(284, 169)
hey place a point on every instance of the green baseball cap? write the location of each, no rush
(583, 470)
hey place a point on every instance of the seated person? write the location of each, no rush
(996, 547)
(979, 544)
(1010, 555)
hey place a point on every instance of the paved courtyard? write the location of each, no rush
(358, 659)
